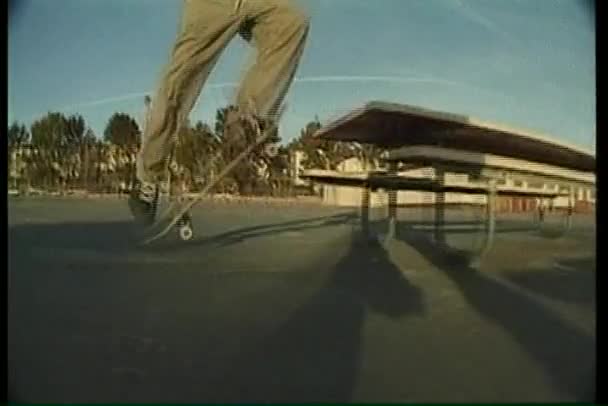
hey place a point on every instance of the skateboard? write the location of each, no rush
(178, 211)
(185, 222)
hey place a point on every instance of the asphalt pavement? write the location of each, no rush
(287, 303)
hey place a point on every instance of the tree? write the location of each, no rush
(204, 148)
(327, 155)
(49, 138)
(50, 132)
(88, 143)
(228, 148)
(278, 167)
(245, 174)
(220, 120)
(196, 148)
(311, 146)
(17, 134)
(89, 137)
(75, 130)
(190, 142)
(122, 130)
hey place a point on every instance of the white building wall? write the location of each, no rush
(352, 196)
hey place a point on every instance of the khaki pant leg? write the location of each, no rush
(207, 28)
(279, 32)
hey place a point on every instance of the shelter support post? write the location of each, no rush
(490, 224)
(365, 203)
(440, 202)
(392, 204)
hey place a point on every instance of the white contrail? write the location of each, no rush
(363, 78)
(336, 78)
(390, 79)
(130, 96)
(98, 102)
(485, 22)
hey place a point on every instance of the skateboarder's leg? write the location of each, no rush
(207, 27)
(278, 30)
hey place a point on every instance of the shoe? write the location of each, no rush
(143, 202)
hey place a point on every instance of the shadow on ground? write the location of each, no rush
(123, 236)
(570, 280)
(246, 233)
(312, 356)
(566, 354)
(315, 355)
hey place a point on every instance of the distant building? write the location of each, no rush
(297, 160)
(352, 196)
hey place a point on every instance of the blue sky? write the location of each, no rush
(525, 63)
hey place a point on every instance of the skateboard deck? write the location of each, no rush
(177, 213)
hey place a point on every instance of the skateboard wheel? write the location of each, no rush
(185, 232)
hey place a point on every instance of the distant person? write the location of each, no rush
(277, 28)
